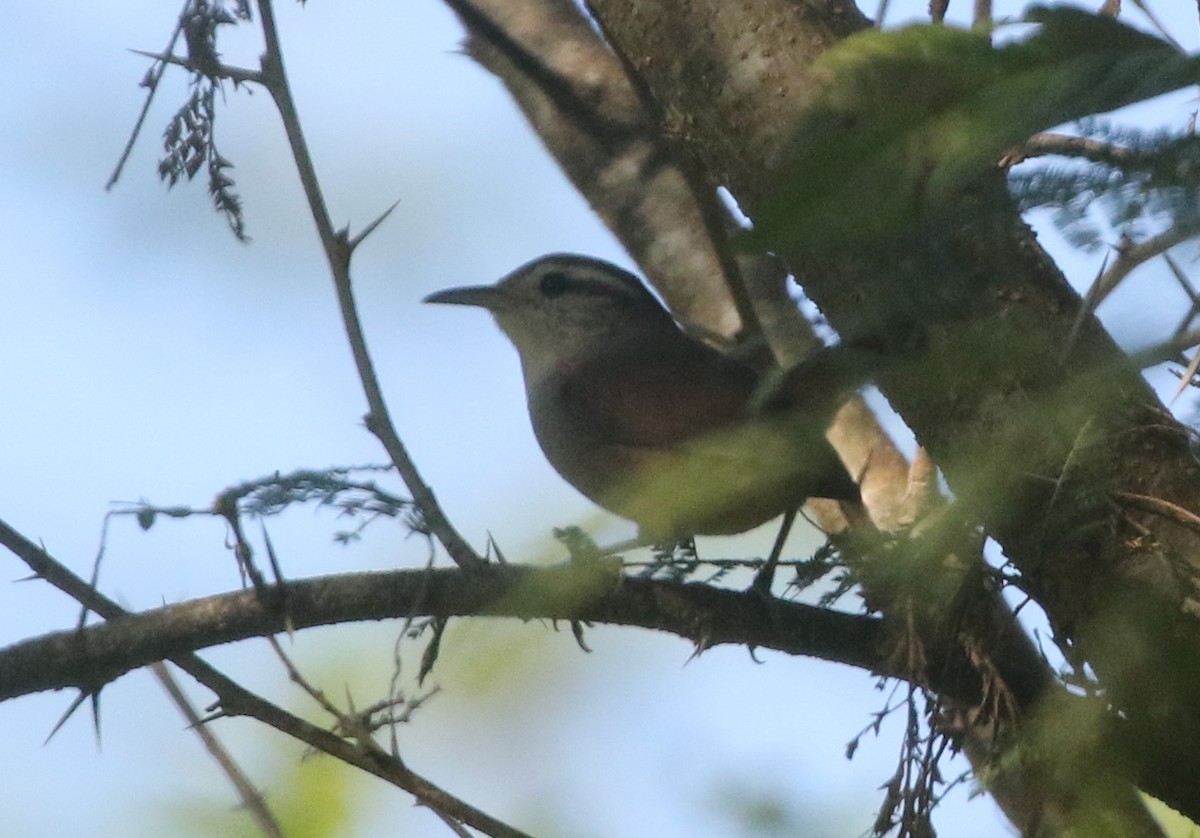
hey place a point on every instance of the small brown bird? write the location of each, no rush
(649, 422)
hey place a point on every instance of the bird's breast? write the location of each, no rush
(723, 481)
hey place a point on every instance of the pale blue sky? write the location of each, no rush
(147, 354)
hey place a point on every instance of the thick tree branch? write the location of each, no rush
(233, 699)
(707, 616)
(589, 591)
(984, 397)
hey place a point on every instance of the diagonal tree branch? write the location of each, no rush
(233, 699)
(1130, 256)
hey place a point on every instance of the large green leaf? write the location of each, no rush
(907, 118)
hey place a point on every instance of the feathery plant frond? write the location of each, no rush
(1132, 183)
(188, 142)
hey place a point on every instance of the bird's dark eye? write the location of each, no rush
(554, 283)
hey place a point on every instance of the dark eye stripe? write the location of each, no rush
(557, 283)
(583, 276)
(554, 283)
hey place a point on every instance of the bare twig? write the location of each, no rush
(150, 82)
(338, 252)
(1069, 145)
(93, 656)
(251, 799)
(881, 12)
(1130, 257)
(982, 17)
(1153, 18)
(1167, 350)
(1162, 507)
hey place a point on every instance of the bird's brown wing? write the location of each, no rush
(678, 394)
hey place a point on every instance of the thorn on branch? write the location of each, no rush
(76, 703)
(370, 228)
(577, 631)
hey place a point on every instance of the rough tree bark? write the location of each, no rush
(1066, 458)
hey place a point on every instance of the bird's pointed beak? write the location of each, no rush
(483, 296)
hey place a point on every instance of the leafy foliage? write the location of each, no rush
(907, 119)
(189, 145)
(338, 488)
(188, 141)
(1135, 180)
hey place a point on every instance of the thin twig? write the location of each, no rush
(338, 252)
(1186, 285)
(573, 103)
(1168, 350)
(1130, 257)
(1049, 143)
(1163, 508)
(150, 82)
(1162, 30)
(297, 677)
(713, 216)
(881, 12)
(982, 17)
(251, 799)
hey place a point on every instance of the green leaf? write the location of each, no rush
(907, 119)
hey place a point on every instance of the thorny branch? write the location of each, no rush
(1129, 257)
(338, 247)
(338, 253)
(232, 698)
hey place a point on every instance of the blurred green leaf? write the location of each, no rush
(905, 119)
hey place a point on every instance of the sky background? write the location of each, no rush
(146, 354)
